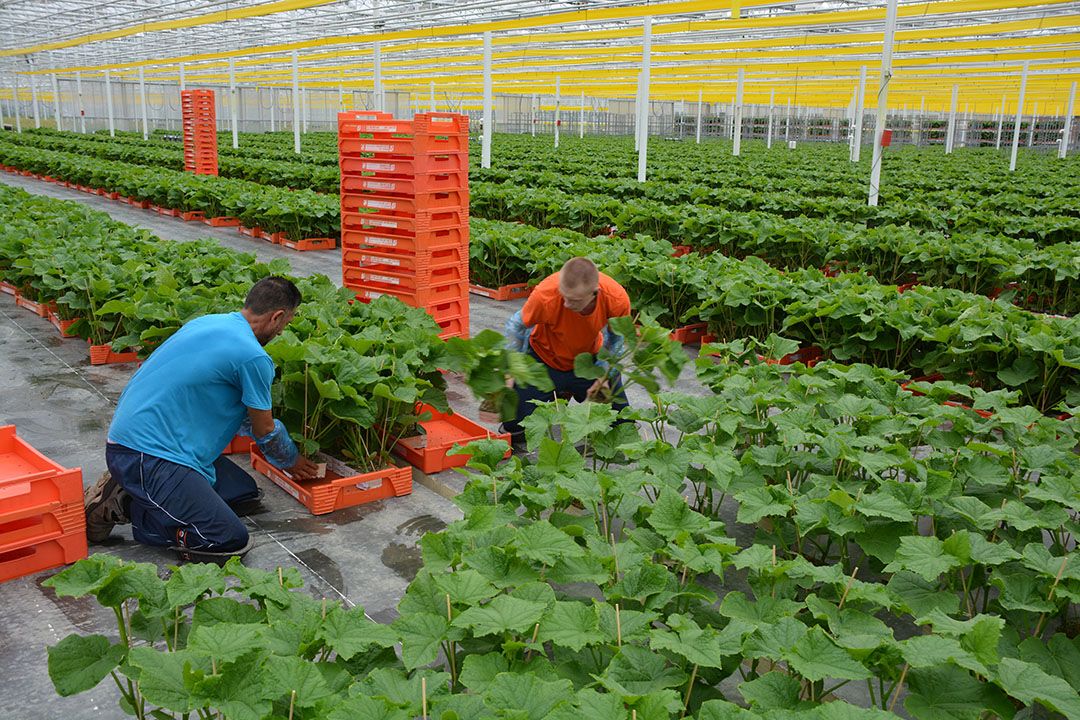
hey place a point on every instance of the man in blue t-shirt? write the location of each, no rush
(206, 383)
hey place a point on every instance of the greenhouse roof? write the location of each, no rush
(809, 52)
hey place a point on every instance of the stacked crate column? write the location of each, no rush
(200, 131)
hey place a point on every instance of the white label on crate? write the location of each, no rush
(372, 240)
(382, 128)
(441, 119)
(380, 223)
(380, 278)
(380, 260)
(361, 116)
(374, 185)
(372, 295)
(382, 204)
(376, 148)
(283, 485)
(384, 167)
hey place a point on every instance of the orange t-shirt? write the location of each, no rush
(560, 335)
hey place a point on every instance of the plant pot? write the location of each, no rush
(254, 232)
(689, 334)
(337, 491)
(8, 289)
(222, 221)
(39, 309)
(273, 237)
(428, 450)
(104, 355)
(192, 216)
(310, 244)
(62, 325)
(515, 291)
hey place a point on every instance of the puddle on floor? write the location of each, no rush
(404, 560)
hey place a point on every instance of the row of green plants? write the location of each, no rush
(798, 543)
(923, 331)
(351, 375)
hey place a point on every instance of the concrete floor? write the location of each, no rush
(61, 405)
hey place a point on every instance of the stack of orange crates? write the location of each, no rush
(42, 524)
(405, 212)
(200, 132)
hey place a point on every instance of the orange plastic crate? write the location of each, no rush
(504, 293)
(422, 221)
(41, 556)
(403, 242)
(421, 124)
(239, 444)
(428, 450)
(29, 480)
(420, 283)
(423, 296)
(335, 492)
(403, 146)
(39, 309)
(418, 262)
(453, 327)
(426, 183)
(310, 244)
(406, 167)
(391, 205)
(35, 525)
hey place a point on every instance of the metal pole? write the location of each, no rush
(1001, 123)
(532, 115)
(772, 102)
(637, 113)
(1019, 117)
(109, 103)
(304, 109)
(951, 131)
(82, 109)
(581, 123)
(183, 79)
(142, 105)
(34, 103)
(736, 147)
(922, 112)
(56, 101)
(233, 119)
(18, 115)
(646, 68)
(697, 129)
(1064, 148)
(485, 145)
(431, 96)
(787, 122)
(883, 101)
(860, 112)
(557, 95)
(1034, 120)
(296, 102)
(731, 122)
(273, 109)
(376, 55)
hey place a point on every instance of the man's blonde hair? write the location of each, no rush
(578, 275)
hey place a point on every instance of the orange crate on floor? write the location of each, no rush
(310, 244)
(39, 309)
(690, 334)
(426, 183)
(355, 125)
(503, 293)
(105, 355)
(222, 221)
(335, 492)
(62, 325)
(239, 444)
(405, 167)
(428, 450)
(30, 480)
(46, 555)
(431, 240)
(390, 205)
(34, 525)
(378, 259)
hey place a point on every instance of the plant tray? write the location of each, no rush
(680, 250)
(239, 444)
(504, 293)
(335, 491)
(310, 244)
(41, 556)
(104, 355)
(62, 325)
(222, 221)
(102, 192)
(428, 450)
(39, 309)
(273, 237)
(29, 480)
(254, 232)
(113, 195)
(809, 356)
(8, 289)
(38, 524)
(193, 216)
(690, 334)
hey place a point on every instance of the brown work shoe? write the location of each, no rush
(106, 505)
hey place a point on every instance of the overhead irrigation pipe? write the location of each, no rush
(883, 102)
(737, 146)
(1064, 148)
(109, 103)
(1019, 117)
(296, 102)
(485, 129)
(860, 111)
(643, 127)
(951, 131)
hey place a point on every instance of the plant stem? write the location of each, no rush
(896, 688)
(689, 689)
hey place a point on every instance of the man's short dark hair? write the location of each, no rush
(271, 294)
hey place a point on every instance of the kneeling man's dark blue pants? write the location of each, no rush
(175, 505)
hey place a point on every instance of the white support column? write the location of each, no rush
(581, 120)
(1019, 117)
(56, 102)
(485, 142)
(637, 113)
(1031, 128)
(532, 115)
(558, 90)
(1063, 149)
(950, 133)
(82, 108)
(860, 111)
(142, 105)
(922, 113)
(883, 101)
(376, 56)
(304, 109)
(183, 79)
(787, 122)
(340, 95)
(731, 122)
(296, 102)
(34, 102)
(431, 96)
(109, 103)
(768, 132)
(1, 114)
(1001, 123)
(697, 127)
(233, 105)
(273, 109)
(643, 126)
(736, 147)
(18, 115)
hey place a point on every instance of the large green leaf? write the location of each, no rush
(78, 663)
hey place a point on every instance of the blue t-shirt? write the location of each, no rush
(188, 399)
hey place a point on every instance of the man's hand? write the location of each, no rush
(597, 388)
(303, 469)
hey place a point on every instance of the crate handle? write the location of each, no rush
(10, 490)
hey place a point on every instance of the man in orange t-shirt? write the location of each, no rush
(567, 314)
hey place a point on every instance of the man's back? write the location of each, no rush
(188, 399)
